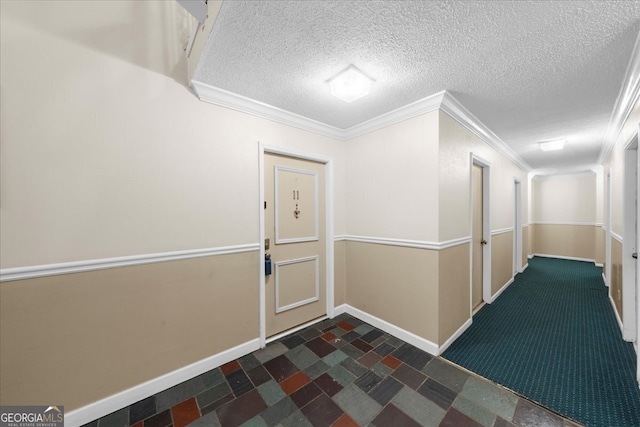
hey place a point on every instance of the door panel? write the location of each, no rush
(295, 225)
(476, 241)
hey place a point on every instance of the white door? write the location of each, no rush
(294, 193)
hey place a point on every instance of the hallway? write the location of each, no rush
(552, 336)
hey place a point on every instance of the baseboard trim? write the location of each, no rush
(501, 290)
(93, 411)
(523, 268)
(598, 264)
(296, 329)
(410, 337)
(615, 311)
(341, 309)
(570, 258)
(455, 336)
(604, 279)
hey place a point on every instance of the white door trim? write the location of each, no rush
(328, 165)
(517, 221)
(607, 221)
(629, 305)
(486, 228)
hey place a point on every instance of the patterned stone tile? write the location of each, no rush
(491, 397)
(355, 402)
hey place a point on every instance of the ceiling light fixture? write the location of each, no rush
(350, 84)
(552, 145)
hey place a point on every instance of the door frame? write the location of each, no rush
(486, 229)
(517, 223)
(607, 222)
(329, 226)
(629, 239)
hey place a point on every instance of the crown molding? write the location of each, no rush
(421, 106)
(442, 100)
(569, 172)
(452, 107)
(627, 98)
(217, 96)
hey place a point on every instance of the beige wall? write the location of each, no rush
(615, 282)
(396, 284)
(391, 179)
(565, 215)
(615, 164)
(526, 244)
(340, 272)
(106, 153)
(576, 241)
(454, 290)
(456, 145)
(81, 337)
(501, 260)
(564, 198)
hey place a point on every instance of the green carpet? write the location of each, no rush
(552, 336)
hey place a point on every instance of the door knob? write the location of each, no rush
(635, 255)
(483, 242)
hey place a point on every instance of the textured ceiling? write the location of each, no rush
(530, 71)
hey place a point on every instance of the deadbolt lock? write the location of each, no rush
(483, 242)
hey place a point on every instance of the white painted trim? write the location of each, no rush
(604, 279)
(455, 336)
(340, 238)
(313, 238)
(598, 264)
(615, 311)
(524, 267)
(454, 109)
(127, 261)
(315, 298)
(418, 244)
(627, 98)
(502, 231)
(422, 106)
(217, 96)
(329, 229)
(296, 329)
(571, 258)
(409, 337)
(526, 224)
(629, 224)
(125, 398)
(594, 224)
(341, 309)
(502, 289)
(454, 242)
(517, 222)
(617, 237)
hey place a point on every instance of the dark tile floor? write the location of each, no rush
(339, 372)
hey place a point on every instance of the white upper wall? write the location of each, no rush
(392, 181)
(105, 152)
(615, 166)
(565, 198)
(457, 144)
